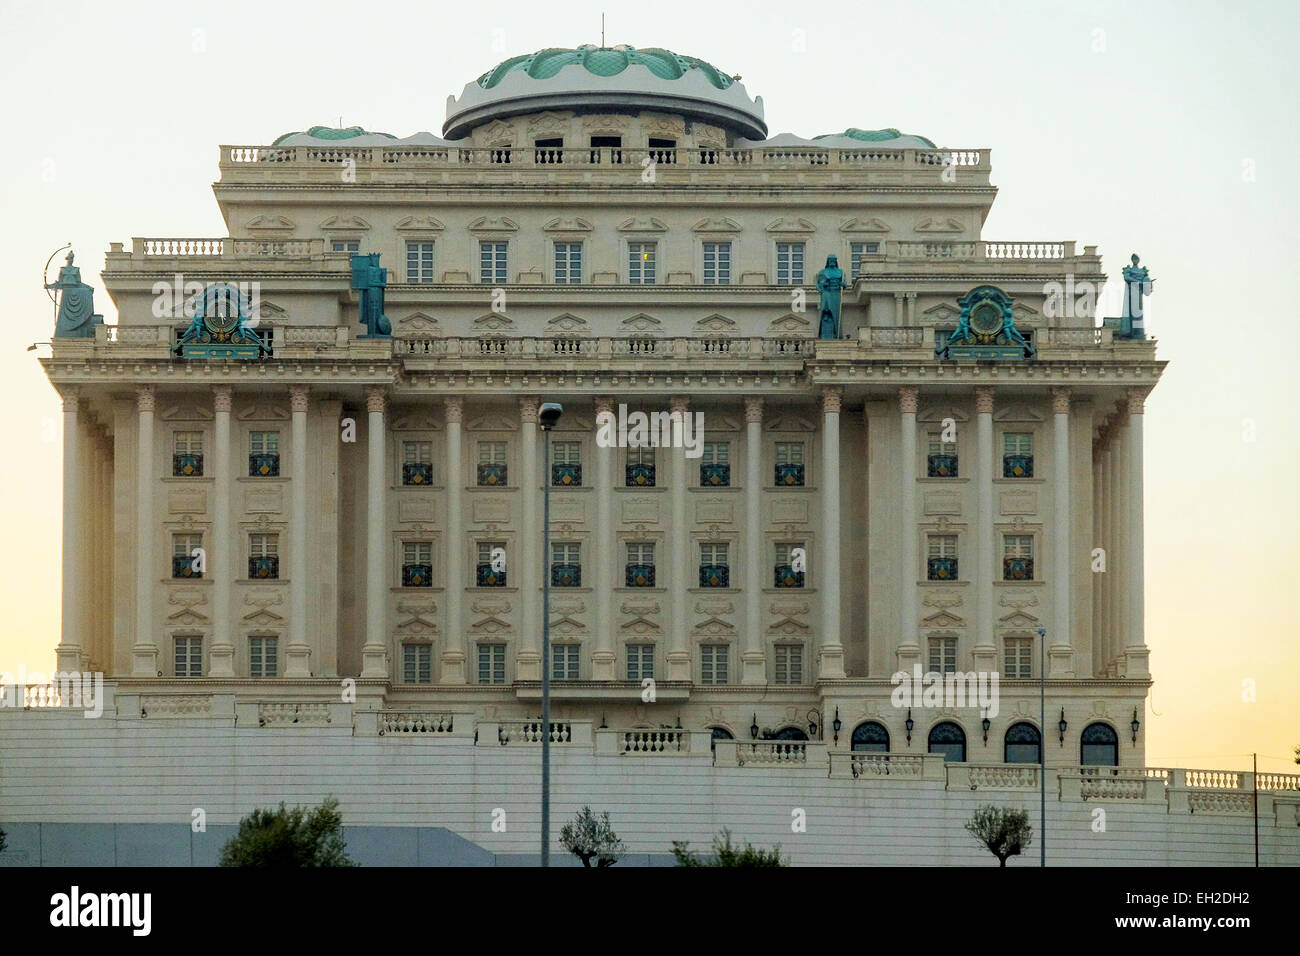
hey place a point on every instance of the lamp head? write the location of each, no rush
(549, 414)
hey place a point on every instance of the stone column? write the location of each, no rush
(985, 651)
(1062, 651)
(221, 654)
(72, 632)
(754, 656)
(603, 657)
(144, 653)
(1099, 579)
(528, 662)
(832, 650)
(374, 652)
(298, 658)
(453, 644)
(1118, 583)
(911, 308)
(1136, 653)
(909, 645)
(679, 656)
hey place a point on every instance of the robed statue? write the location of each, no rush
(1137, 283)
(76, 318)
(369, 278)
(829, 283)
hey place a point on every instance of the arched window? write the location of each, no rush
(1023, 744)
(719, 733)
(870, 738)
(950, 740)
(790, 733)
(1099, 746)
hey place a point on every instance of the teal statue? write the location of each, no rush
(77, 318)
(986, 329)
(1137, 283)
(369, 279)
(829, 283)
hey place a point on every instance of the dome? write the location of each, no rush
(888, 137)
(606, 78)
(318, 134)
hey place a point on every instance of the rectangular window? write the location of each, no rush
(490, 571)
(715, 465)
(417, 564)
(789, 263)
(787, 574)
(789, 664)
(419, 262)
(640, 570)
(185, 562)
(263, 556)
(189, 657)
(941, 557)
(1017, 455)
(1017, 557)
(566, 564)
(491, 464)
(941, 461)
(714, 571)
(492, 263)
(564, 661)
(187, 454)
(1018, 658)
(263, 656)
(345, 245)
(641, 263)
(640, 661)
(713, 663)
(640, 467)
(491, 663)
(417, 663)
(858, 252)
(789, 464)
(717, 263)
(417, 463)
(566, 464)
(943, 655)
(568, 263)
(263, 454)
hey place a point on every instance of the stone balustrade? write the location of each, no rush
(655, 741)
(1003, 776)
(393, 722)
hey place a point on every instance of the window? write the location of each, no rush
(943, 655)
(491, 463)
(1022, 744)
(185, 562)
(1099, 746)
(787, 575)
(419, 262)
(568, 263)
(713, 663)
(714, 572)
(548, 151)
(640, 467)
(1017, 455)
(263, 656)
(942, 459)
(789, 664)
(417, 564)
(491, 569)
(492, 263)
(612, 143)
(263, 454)
(789, 263)
(663, 150)
(789, 464)
(950, 740)
(858, 251)
(640, 571)
(717, 263)
(1017, 557)
(566, 565)
(491, 663)
(188, 657)
(941, 557)
(715, 465)
(566, 464)
(640, 661)
(719, 733)
(641, 263)
(417, 463)
(1018, 658)
(564, 661)
(263, 556)
(345, 245)
(417, 663)
(870, 738)
(187, 455)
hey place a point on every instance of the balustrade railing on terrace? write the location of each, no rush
(655, 741)
(530, 732)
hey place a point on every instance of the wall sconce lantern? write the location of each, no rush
(753, 727)
(986, 723)
(909, 724)
(1135, 726)
(1061, 726)
(836, 725)
(813, 717)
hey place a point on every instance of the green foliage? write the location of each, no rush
(302, 836)
(2, 841)
(726, 854)
(589, 837)
(1003, 830)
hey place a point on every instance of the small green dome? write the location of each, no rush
(330, 132)
(604, 61)
(873, 135)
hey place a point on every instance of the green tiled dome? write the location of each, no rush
(330, 132)
(604, 61)
(871, 135)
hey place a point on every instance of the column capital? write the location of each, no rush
(679, 404)
(1137, 401)
(604, 404)
(222, 397)
(528, 409)
(1060, 401)
(832, 399)
(911, 296)
(753, 408)
(298, 398)
(984, 400)
(375, 400)
(453, 407)
(144, 398)
(71, 398)
(907, 397)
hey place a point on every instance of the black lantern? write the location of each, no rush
(836, 725)
(602, 721)
(753, 728)
(909, 724)
(1061, 726)
(813, 717)
(1135, 725)
(679, 721)
(986, 723)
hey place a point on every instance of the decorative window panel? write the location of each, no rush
(419, 262)
(789, 263)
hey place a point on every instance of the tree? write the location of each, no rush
(302, 836)
(589, 837)
(1003, 830)
(725, 854)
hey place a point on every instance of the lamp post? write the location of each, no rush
(547, 416)
(1042, 746)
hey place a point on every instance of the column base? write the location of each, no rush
(753, 667)
(68, 659)
(221, 661)
(298, 660)
(453, 667)
(830, 664)
(679, 665)
(1137, 662)
(909, 655)
(602, 665)
(1060, 660)
(528, 666)
(144, 660)
(374, 660)
(985, 658)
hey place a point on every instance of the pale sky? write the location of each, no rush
(1166, 129)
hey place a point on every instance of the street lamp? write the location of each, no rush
(547, 416)
(1042, 746)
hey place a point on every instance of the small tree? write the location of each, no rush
(725, 854)
(302, 836)
(589, 837)
(1003, 830)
